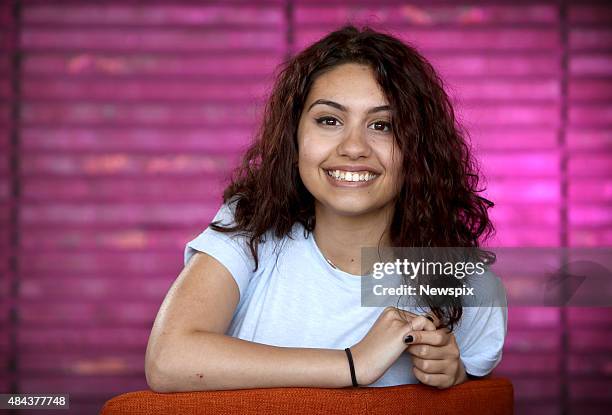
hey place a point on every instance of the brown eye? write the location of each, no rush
(382, 126)
(327, 121)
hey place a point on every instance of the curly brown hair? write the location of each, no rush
(438, 204)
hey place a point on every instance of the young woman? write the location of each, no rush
(358, 148)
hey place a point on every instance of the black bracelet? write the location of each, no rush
(352, 366)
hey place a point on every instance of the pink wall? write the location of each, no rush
(120, 121)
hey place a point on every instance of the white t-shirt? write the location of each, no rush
(297, 299)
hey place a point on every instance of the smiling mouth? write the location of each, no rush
(352, 176)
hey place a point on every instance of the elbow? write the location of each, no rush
(157, 378)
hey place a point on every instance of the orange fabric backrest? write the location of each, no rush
(485, 396)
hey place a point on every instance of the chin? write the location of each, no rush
(348, 207)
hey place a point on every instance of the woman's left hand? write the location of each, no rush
(435, 357)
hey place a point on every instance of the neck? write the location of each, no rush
(340, 238)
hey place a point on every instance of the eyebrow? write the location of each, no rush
(344, 109)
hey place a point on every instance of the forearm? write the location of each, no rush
(211, 361)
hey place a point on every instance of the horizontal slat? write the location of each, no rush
(590, 190)
(520, 164)
(589, 13)
(589, 340)
(129, 165)
(517, 364)
(505, 90)
(115, 114)
(104, 387)
(154, 14)
(585, 38)
(527, 115)
(533, 317)
(598, 388)
(537, 389)
(152, 39)
(125, 115)
(141, 91)
(517, 236)
(592, 407)
(537, 407)
(590, 237)
(590, 215)
(82, 363)
(426, 15)
(456, 40)
(95, 288)
(591, 115)
(590, 165)
(131, 65)
(137, 189)
(115, 276)
(90, 339)
(524, 138)
(590, 364)
(589, 138)
(509, 191)
(120, 214)
(599, 64)
(150, 140)
(589, 317)
(589, 90)
(540, 340)
(50, 314)
(119, 239)
(536, 215)
(154, 263)
(467, 65)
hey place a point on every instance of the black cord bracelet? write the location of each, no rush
(352, 366)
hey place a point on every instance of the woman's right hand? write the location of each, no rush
(384, 343)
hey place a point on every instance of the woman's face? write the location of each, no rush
(348, 158)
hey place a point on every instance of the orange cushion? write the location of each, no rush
(484, 396)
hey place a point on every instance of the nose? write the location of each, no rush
(354, 144)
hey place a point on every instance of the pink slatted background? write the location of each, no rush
(129, 116)
(7, 202)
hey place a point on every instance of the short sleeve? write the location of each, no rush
(483, 331)
(230, 249)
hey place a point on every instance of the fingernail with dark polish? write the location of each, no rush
(408, 339)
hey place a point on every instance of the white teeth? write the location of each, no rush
(351, 176)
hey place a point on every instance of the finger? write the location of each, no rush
(423, 323)
(425, 351)
(437, 380)
(432, 338)
(431, 366)
(403, 314)
(434, 319)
